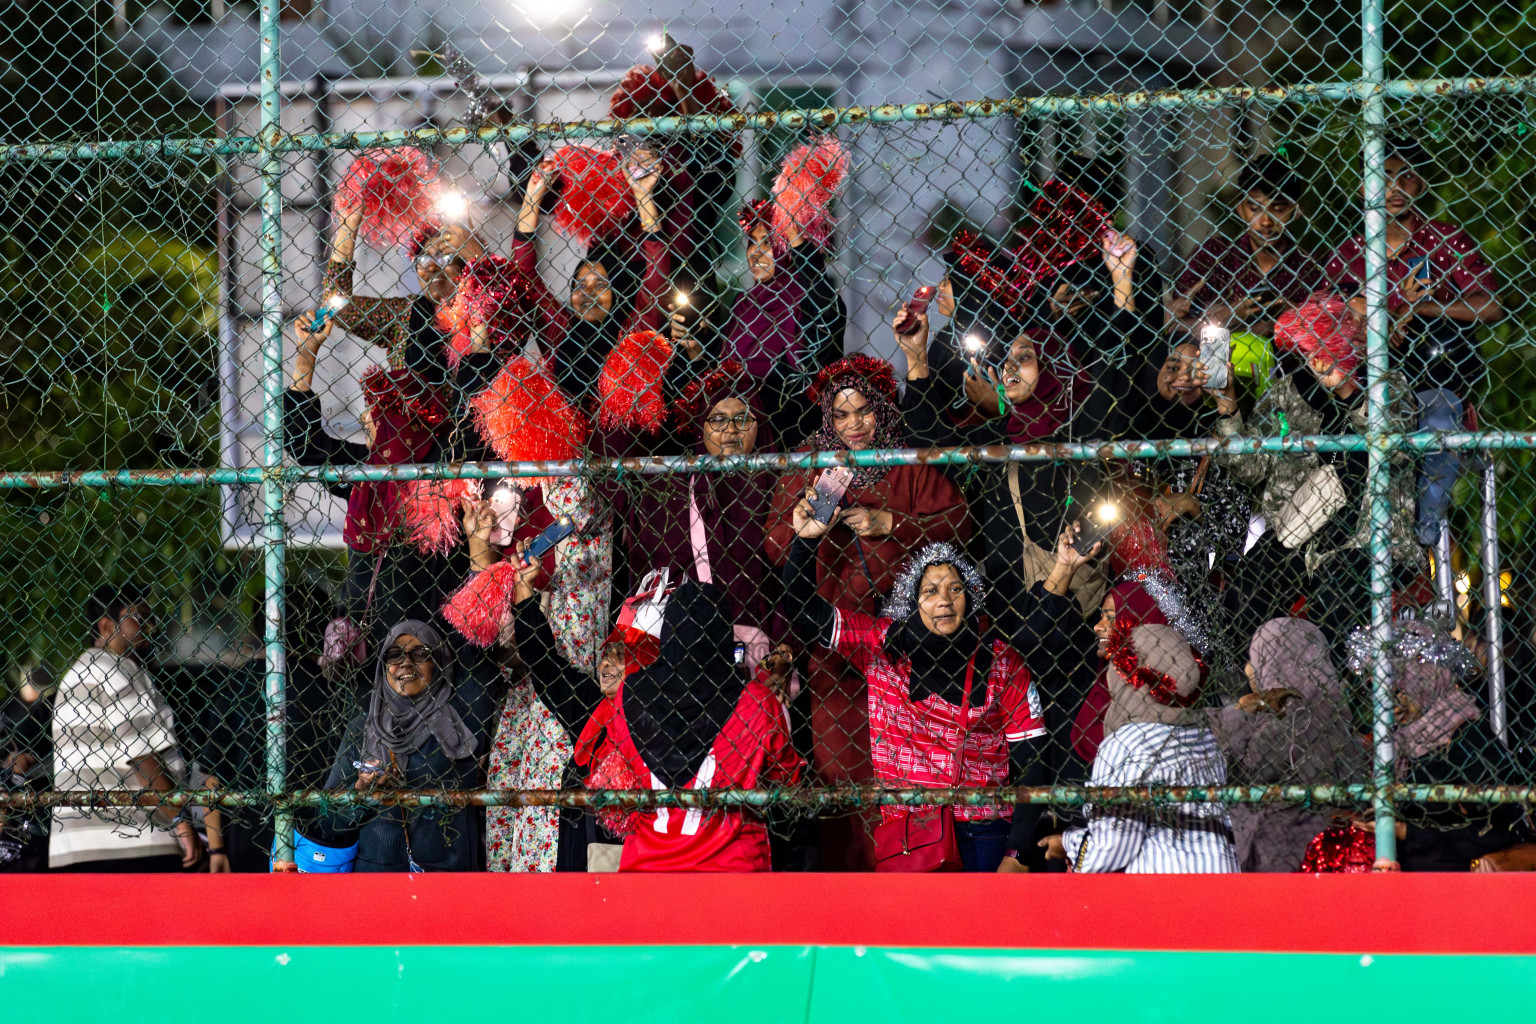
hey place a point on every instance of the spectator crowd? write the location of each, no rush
(1164, 621)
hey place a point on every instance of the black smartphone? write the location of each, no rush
(1096, 526)
(553, 534)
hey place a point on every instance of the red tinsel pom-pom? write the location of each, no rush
(595, 197)
(394, 188)
(1340, 851)
(629, 386)
(866, 369)
(497, 296)
(645, 92)
(613, 771)
(431, 510)
(481, 606)
(812, 176)
(1069, 225)
(757, 213)
(1323, 328)
(401, 392)
(525, 417)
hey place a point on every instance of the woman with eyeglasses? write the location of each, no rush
(423, 729)
(709, 526)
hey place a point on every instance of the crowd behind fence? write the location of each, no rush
(594, 469)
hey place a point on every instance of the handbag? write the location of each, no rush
(921, 839)
(1308, 510)
(1088, 582)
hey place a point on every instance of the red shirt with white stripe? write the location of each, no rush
(752, 749)
(914, 743)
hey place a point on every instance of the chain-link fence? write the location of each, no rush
(898, 436)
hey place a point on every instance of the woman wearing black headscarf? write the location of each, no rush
(691, 720)
(949, 702)
(422, 731)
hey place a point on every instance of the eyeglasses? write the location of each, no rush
(417, 655)
(741, 421)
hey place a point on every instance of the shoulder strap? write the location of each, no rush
(1018, 497)
(965, 714)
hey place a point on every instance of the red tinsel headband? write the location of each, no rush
(1160, 686)
(701, 395)
(857, 369)
(757, 213)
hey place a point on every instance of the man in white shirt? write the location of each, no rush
(113, 731)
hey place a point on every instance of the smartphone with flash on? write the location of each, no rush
(916, 307)
(1215, 355)
(830, 488)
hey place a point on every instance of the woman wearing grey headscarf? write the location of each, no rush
(421, 731)
(1292, 729)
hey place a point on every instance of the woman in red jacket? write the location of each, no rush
(886, 513)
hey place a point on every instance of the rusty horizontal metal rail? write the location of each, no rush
(664, 465)
(1430, 89)
(834, 797)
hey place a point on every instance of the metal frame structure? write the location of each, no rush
(1372, 91)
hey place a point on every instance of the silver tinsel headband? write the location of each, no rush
(1419, 642)
(902, 601)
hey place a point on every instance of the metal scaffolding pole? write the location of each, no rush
(1373, 128)
(274, 691)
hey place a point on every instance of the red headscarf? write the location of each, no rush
(1058, 392)
(406, 414)
(1134, 606)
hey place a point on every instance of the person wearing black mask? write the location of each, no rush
(949, 704)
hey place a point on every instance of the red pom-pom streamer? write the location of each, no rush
(495, 295)
(629, 386)
(645, 92)
(1340, 851)
(394, 188)
(757, 213)
(613, 771)
(401, 393)
(1069, 227)
(479, 609)
(595, 197)
(812, 176)
(525, 417)
(431, 510)
(1321, 329)
(875, 373)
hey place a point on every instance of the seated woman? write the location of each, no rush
(949, 703)
(1152, 739)
(709, 525)
(690, 720)
(1293, 729)
(422, 731)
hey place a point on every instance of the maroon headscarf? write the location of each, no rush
(1134, 606)
(406, 414)
(1060, 390)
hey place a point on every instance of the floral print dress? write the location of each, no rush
(531, 748)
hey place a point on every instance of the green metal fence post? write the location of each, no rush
(272, 417)
(1373, 126)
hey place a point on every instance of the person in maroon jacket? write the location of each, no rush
(887, 512)
(1440, 289)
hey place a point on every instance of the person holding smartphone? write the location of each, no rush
(1440, 290)
(1244, 282)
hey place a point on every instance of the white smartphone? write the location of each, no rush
(1215, 355)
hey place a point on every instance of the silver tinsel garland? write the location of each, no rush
(1165, 590)
(1420, 642)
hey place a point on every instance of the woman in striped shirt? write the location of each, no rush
(1152, 739)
